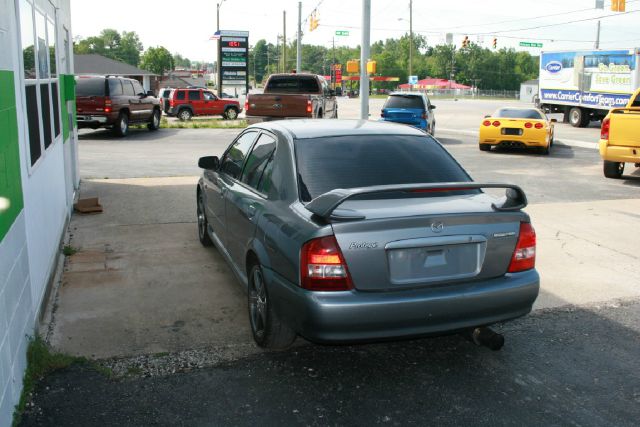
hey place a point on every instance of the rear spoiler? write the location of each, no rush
(325, 204)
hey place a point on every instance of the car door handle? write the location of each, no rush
(251, 212)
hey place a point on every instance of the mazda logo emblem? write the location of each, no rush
(437, 227)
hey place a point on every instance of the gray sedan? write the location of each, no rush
(349, 231)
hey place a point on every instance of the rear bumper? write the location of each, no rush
(91, 120)
(619, 153)
(420, 124)
(352, 316)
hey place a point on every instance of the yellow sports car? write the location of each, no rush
(517, 128)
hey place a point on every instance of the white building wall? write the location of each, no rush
(28, 252)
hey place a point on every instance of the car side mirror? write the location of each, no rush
(432, 107)
(150, 93)
(332, 92)
(338, 91)
(209, 163)
(554, 120)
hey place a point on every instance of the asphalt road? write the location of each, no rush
(570, 366)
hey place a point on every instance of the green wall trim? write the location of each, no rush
(67, 93)
(63, 110)
(11, 202)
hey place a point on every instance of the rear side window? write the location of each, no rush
(636, 102)
(234, 157)
(180, 95)
(516, 113)
(370, 160)
(90, 87)
(404, 101)
(293, 84)
(194, 95)
(257, 160)
(115, 87)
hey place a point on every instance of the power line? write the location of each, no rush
(525, 19)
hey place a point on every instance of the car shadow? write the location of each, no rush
(449, 141)
(557, 152)
(134, 134)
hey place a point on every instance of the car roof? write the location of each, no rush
(302, 128)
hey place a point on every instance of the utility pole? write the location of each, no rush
(598, 36)
(284, 41)
(333, 67)
(364, 57)
(410, 37)
(299, 42)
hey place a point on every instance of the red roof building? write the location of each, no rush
(431, 83)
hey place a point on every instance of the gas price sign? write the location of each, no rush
(233, 57)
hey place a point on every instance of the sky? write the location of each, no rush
(185, 26)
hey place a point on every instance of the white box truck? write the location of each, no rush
(585, 84)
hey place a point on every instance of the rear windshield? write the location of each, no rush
(325, 164)
(517, 113)
(293, 84)
(90, 87)
(404, 101)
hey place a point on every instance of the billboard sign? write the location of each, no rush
(233, 59)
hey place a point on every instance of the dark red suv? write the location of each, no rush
(115, 102)
(186, 103)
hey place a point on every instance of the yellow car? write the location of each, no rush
(620, 137)
(517, 128)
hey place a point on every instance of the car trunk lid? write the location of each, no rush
(624, 124)
(409, 243)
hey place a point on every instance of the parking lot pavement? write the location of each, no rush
(143, 290)
(570, 366)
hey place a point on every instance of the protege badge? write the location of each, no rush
(363, 245)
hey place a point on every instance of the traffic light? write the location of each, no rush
(495, 42)
(353, 66)
(314, 19)
(618, 5)
(465, 41)
(371, 67)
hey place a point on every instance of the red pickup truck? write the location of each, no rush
(292, 96)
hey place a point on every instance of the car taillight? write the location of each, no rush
(487, 123)
(107, 104)
(604, 131)
(246, 106)
(322, 266)
(539, 125)
(170, 102)
(496, 123)
(524, 256)
(424, 115)
(309, 106)
(528, 125)
(382, 113)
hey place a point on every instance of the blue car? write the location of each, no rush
(411, 108)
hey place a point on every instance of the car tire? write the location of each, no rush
(578, 117)
(269, 331)
(432, 131)
(185, 114)
(203, 224)
(485, 147)
(231, 113)
(121, 126)
(545, 150)
(319, 116)
(154, 124)
(613, 169)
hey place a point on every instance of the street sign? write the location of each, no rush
(342, 33)
(530, 44)
(413, 80)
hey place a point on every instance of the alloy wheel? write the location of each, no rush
(258, 303)
(202, 224)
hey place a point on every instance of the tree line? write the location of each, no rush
(502, 69)
(126, 47)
